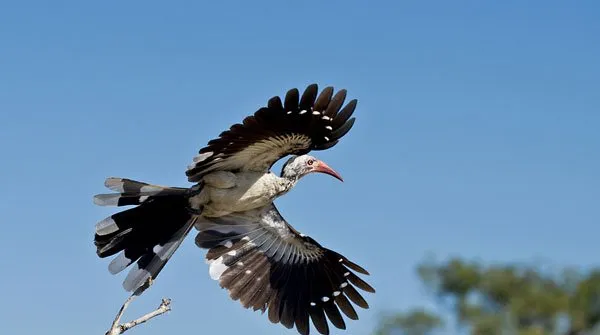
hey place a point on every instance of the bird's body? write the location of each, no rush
(226, 193)
(253, 251)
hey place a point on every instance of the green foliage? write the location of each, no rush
(416, 322)
(585, 302)
(504, 299)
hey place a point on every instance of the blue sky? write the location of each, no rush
(476, 135)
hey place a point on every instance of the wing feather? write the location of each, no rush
(344, 114)
(336, 103)
(296, 126)
(266, 264)
(323, 99)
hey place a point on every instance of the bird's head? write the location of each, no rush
(299, 166)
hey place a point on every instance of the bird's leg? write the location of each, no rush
(117, 328)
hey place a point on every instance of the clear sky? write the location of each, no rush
(476, 135)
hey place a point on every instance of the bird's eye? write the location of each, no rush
(310, 162)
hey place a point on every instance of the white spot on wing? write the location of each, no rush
(336, 293)
(302, 111)
(328, 128)
(312, 304)
(217, 268)
(232, 253)
(316, 113)
(248, 272)
(228, 244)
(346, 274)
(143, 198)
(326, 118)
(326, 138)
(344, 284)
(325, 299)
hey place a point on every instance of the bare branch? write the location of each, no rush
(117, 328)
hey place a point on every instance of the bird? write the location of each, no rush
(252, 251)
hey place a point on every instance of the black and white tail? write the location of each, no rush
(148, 233)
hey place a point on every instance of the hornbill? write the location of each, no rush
(253, 252)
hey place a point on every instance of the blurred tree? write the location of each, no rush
(416, 322)
(504, 299)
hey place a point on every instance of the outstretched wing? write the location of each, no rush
(296, 126)
(267, 265)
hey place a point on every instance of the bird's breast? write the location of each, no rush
(252, 190)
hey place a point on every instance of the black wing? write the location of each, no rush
(267, 265)
(296, 126)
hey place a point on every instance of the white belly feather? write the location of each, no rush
(226, 192)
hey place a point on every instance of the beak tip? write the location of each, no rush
(324, 168)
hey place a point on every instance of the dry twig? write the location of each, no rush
(118, 328)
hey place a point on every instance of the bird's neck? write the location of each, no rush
(286, 183)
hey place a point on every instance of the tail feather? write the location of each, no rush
(151, 263)
(120, 199)
(119, 263)
(132, 192)
(124, 185)
(148, 234)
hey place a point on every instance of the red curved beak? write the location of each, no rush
(320, 166)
